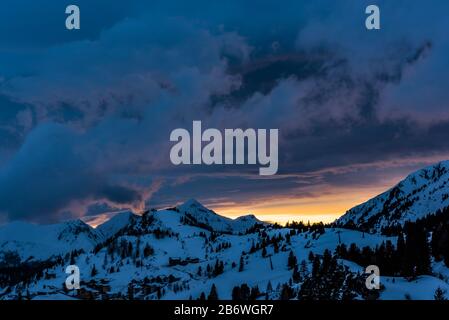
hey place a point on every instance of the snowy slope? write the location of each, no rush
(40, 242)
(117, 223)
(421, 193)
(171, 254)
(189, 243)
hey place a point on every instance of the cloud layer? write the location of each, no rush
(85, 117)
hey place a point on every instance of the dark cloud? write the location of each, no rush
(51, 171)
(97, 208)
(85, 116)
(119, 194)
(28, 24)
(16, 119)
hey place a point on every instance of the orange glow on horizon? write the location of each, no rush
(327, 203)
(325, 208)
(324, 205)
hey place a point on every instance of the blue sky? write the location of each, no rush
(85, 115)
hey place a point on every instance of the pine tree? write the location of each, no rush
(241, 293)
(208, 268)
(28, 295)
(311, 256)
(296, 276)
(130, 249)
(94, 271)
(105, 260)
(316, 266)
(264, 252)
(245, 291)
(236, 293)
(218, 268)
(303, 268)
(241, 264)
(287, 292)
(276, 246)
(148, 251)
(253, 248)
(269, 287)
(292, 261)
(130, 292)
(255, 292)
(213, 295)
(440, 294)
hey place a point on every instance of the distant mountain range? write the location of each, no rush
(41, 242)
(189, 251)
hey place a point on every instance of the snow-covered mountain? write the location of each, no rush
(117, 223)
(40, 242)
(421, 193)
(199, 214)
(184, 251)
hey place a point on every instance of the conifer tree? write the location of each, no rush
(241, 264)
(130, 292)
(94, 271)
(287, 292)
(213, 295)
(292, 261)
(440, 294)
(236, 293)
(296, 277)
(254, 294)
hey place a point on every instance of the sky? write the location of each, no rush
(86, 115)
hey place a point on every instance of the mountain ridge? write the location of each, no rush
(44, 241)
(420, 194)
(28, 241)
(184, 251)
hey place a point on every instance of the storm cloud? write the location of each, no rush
(85, 117)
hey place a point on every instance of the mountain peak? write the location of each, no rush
(421, 193)
(116, 223)
(74, 226)
(248, 217)
(192, 205)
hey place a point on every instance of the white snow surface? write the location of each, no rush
(188, 241)
(421, 193)
(40, 242)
